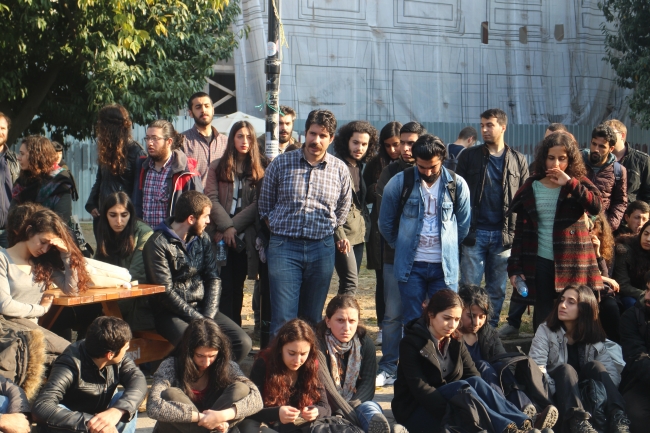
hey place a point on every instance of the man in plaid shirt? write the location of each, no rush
(306, 195)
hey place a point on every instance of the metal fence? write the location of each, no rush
(81, 156)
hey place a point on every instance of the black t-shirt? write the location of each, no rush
(574, 356)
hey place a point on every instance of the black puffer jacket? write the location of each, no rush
(419, 375)
(490, 343)
(188, 270)
(613, 193)
(472, 166)
(635, 341)
(637, 164)
(76, 383)
(106, 182)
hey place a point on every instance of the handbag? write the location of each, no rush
(331, 424)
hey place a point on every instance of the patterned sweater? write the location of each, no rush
(169, 411)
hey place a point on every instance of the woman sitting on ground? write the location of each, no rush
(351, 360)
(200, 386)
(41, 180)
(569, 348)
(483, 344)
(433, 366)
(286, 373)
(44, 253)
(631, 263)
(609, 304)
(120, 239)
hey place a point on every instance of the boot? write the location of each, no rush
(579, 422)
(547, 418)
(619, 422)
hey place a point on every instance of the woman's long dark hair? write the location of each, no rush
(253, 168)
(47, 221)
(588, 329)
(440, 301)
(277, 389)
(42, 157)
(475, 295)
(111, 246)
(336, 303)
(639, 258)
(203, 333)
(603, 232)
(391, 129)
(575, 168)
(113, 131)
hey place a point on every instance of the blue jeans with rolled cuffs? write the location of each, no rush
(300, 272)
(365, 411)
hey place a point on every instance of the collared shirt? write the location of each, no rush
(155, 194)
(196, 146)
(305, 201)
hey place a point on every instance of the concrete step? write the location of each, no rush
(523, 341)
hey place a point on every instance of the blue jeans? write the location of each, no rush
(487, 256)
(300, 272)
(4, 404)
(392, 324)
(490, 376)
(424, 280)
(365, 411)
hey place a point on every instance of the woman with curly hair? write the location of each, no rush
(631, 263)
(41, 180)
(233, 186)
(354, 144)
(44, 253)
(286, 374)
(200, 386)
(117, 156)
(552, 247)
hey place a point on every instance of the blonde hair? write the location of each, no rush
(616, 124)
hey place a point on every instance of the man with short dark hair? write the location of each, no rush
(305, 196)
(426, 228)
(554, 127)
(636, 162)
(179, 256)
(9, 171)
(80, 393)
(609, 176)
(466, 139)
(494, 172)
(636, 215)
(203, 142)
(392, 324)
(285, 133)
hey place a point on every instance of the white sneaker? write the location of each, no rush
(378, 340)
(384, 379)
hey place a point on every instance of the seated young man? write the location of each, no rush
(179, 256)
(13, 407)
(80, 393)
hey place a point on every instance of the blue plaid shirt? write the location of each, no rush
(305, 201)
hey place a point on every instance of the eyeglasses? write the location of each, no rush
(147, 139)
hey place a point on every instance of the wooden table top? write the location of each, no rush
(102, 294)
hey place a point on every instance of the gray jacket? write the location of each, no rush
(549, 351)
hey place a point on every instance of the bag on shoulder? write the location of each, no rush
(466, 414)
(528, 376)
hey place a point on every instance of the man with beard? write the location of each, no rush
(163, 175)
(609, 176)
(635, 380)
(494, 172)
(179, 256)
(9, 170)
(203, 142)
(431, 222)
(392, 324)
(305, 196)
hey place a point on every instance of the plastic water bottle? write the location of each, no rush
(222, 252)
(521, 286)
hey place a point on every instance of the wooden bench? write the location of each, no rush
(145, 346)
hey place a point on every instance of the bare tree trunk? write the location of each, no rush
(22, 117)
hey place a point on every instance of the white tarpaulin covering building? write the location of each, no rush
(435, 60)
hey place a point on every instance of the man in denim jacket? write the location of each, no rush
(434, 221)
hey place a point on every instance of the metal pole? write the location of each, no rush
(272, 70)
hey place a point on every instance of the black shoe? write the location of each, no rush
(619, 422)
(579, 422)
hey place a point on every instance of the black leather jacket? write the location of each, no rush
(106, 182)
(472, 166)
(637, 164)
(188, 270)
(76, 383)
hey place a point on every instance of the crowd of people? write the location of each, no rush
(444, 226)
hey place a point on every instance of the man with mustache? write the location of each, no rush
(179, 256)
(609, 176)
(635, 340)
(203, 142)
(305, 197)
(494, 172)
(434, 220)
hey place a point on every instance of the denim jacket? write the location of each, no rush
(453, 226)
